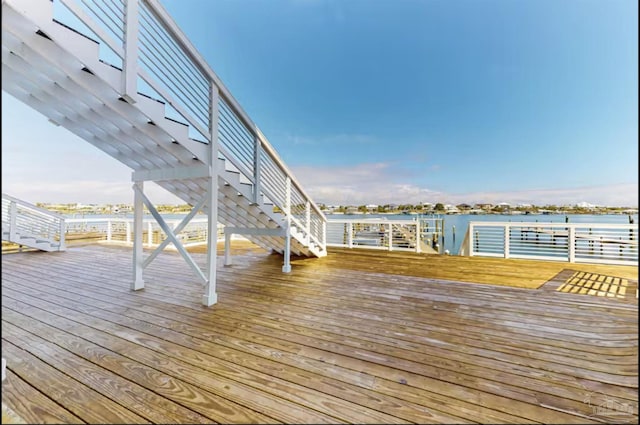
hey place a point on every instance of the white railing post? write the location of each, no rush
(571, 240)
(350, 234)
(308, 221)
(286, 268)
(257, 176)
(13, 214)
(507, 237)
(471, 240)
(418, 238)
(324, 234)
(390, 237)
(63, 230)
(130, 60)
(109, 232)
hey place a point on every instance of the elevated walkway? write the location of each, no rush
(123, 77)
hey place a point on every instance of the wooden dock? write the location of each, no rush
(355, 337)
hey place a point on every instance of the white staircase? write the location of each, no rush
(154, 104)
(31, 226)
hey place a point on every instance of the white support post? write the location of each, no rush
(470, 240)
(138, 261)
(13, 215)
(350, 234)
(390, 237)
(227, 247)
(571, 240)
(109, 230)
(286, 268)
(507, 233)
(63, 230)
(324, 234)
(210, 297)
(130, 61)
(308, 221)
(256, 171)
(418, 238)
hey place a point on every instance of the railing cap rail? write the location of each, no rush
(199, 60)
(554, 224)
(33, 207)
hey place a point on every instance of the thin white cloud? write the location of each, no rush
(380, 183)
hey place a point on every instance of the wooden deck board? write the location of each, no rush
(360, 337)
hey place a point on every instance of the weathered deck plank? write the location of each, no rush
(355, 337)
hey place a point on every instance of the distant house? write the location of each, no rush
(485, 207)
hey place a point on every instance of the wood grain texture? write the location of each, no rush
(358, 337)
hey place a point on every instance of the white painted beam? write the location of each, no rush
(171, 173)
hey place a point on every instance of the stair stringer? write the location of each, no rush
(45, 75)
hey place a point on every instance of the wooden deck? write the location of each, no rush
(357, 337)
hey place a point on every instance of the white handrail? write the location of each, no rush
(188, 94)
(22, 219)
(420, 235)
(120, 230)
(615, 243)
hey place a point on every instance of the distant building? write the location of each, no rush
(485, 207)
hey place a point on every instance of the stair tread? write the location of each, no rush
(259, 213)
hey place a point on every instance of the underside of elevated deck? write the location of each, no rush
(357, 336)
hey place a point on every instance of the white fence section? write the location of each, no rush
(22, 222)
(120, 230)
(419, 235)
(158, 60)
(573, 242)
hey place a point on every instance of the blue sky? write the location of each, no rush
(398, 101)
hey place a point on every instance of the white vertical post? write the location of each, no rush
(390, 237)
(210, 297)
(507, 232)
(63, 230)
(257, 177)
(470, 240)
(13, 214)
(350, 234)
(324, 234)
(418, 238)
(138, 261)
(571, 240)
(108, 230)
(130, 61)
(286, 268)
(149, 234)
(308, 221)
